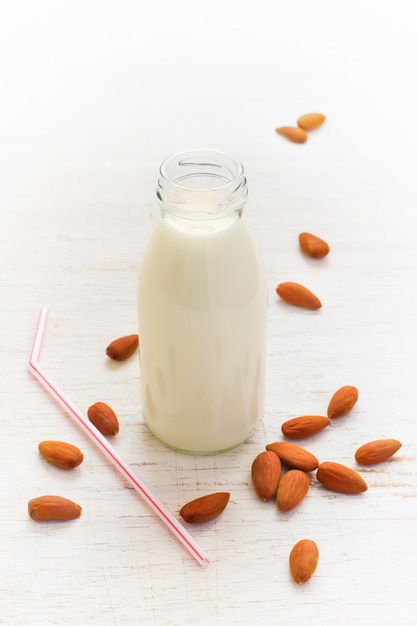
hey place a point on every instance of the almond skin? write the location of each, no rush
(297, 294)
(122, 348)
(104, 418)
(342, 401)
(313, 246)
(294, 456)
(304, 558)
(292, 133)
(61, 454)
(309, 121)
(377, 451)
(266, 472)
(292, 489)
(304, 426)
(338, 477)
(46, 508)
(204, 508)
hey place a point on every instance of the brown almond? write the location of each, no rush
(304, 426)
(292, 489)
(294, 456)
(104, 418)
(313, 246)
(304, 558)
(266, 472)
(297, 294)
(122, 348)
(338, 477)
(292, 133)
(61, 454)
(204, 508)
(342, 401)
(309, 121)
(377, 451)
(46, 508)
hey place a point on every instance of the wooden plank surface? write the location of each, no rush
(93, 97)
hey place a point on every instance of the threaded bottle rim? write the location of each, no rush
(201, 183)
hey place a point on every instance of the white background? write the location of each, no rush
(93, 96)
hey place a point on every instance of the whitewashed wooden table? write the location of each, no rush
(93, 96)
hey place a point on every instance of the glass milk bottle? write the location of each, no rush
(202, 308)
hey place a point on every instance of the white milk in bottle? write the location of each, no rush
(202, 308)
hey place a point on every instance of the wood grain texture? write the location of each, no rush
(91, 103)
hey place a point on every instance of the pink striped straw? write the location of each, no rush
(95, 435)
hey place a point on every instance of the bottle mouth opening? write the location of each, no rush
(202, 170)
(201, 184)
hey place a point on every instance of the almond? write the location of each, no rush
(309, 121)
(342, 401)
(297, 294)
(292, 489)
(292, 133)
(313, 246)
(304, 426)
(122, 348)
(376, 451)
(338, 477)
(294, 456)
(104, 418)
(46, 508)
(61, 454)
(304, 558)
(204, 508)
(266, 472)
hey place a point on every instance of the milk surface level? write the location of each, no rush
(202, 326)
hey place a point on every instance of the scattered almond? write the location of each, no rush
(122, 348)
(304, 558)
(294, 456)
(342, 401)
(313, 246)
(46, 508)
(309, 121)
(376, 451)
(266, 472)
(304, 426)
(292, 489)
(338, 477)
(104, 418)
(61, 454)
(292, 133)
(204, 508)
(297, 294)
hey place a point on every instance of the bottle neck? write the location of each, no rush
(201, 187)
